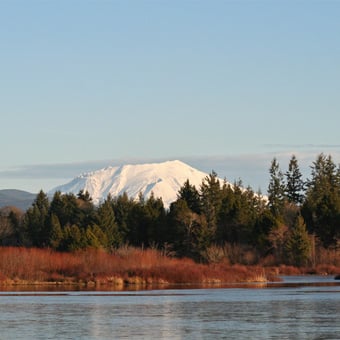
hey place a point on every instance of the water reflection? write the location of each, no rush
(289, 310)
(287, 281)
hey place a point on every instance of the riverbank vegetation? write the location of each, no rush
(125, 266)
(217, 224)
(128, 266)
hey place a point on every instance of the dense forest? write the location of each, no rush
(298, 222)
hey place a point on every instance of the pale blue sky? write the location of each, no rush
(219, 84)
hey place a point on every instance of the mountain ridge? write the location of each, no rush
(162, 179)
(18, 198)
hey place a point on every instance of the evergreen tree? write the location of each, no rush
(84, 210)
(155, 220)
(298, 246)
(6, 230)
(204, 237)
(321, 209)
(36, 221)
(263, 225)
(65, 207)
(294, 183)
(237, 214)
(11, 231)
(122, 207)
(57, 208)
(56, 234)
(73, 239)
(137, 224)
(84, 196)
(190, 194)
(100, 235)
(94, 237)
(184, 229)
(107, 223)
(227, 226)
(15, 218)
(276, 190)
(211, 200)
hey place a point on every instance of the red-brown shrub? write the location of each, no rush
(130, 265)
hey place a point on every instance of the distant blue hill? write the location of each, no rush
(18, 198)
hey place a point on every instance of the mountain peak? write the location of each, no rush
(162, 179)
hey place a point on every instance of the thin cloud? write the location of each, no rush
(302, 146)
(252, 169)
(65, 170)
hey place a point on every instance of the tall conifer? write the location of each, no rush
(294, 183)
(276, 189)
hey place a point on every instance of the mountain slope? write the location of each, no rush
(163, 179)
(17, 198)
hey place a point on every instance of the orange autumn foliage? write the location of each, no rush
(125, 266)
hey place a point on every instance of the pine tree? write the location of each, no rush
(155, 219)
(73, 239)
(276, 190)
(237, 214)
(187, 230)
(94, 237)
(84, 210)
(211, 201)
(56, 234)
(227, 226)
(122, 207)
(298, 246)
(107, 223)
(294, 183)
(190, 194)
(36, 221)
(65, 207)
(84, 196)
(57, 208)
(15, 218)
(321, 209)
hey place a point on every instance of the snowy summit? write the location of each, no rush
(163, 179)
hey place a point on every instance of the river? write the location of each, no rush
(298, 308)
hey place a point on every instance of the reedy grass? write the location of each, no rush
(128, 266)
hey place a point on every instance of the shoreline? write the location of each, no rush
(133, 267)
(138, 283)
(91, 288)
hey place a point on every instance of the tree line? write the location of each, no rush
(296, 217)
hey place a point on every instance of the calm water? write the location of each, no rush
(302, 308)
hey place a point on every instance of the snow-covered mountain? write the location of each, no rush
(163, 179)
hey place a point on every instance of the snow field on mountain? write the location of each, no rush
(162, 179)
